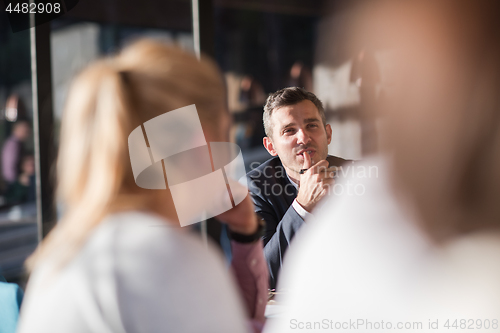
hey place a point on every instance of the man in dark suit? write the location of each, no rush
(287, 188)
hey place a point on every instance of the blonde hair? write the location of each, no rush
(105, 103)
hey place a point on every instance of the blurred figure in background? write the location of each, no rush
(14, 109)
(419, 249)
(248, 123)
(300, 76)
(13, 151)
(251, 92)
(23, 189)
(117, 261)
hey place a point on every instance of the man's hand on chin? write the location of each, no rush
(314, 183)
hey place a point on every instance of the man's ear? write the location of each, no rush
(328, 129)
(268, 144)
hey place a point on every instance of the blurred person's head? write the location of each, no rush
(295, 123)
(251, 92)
(28, 165)
(14, 108)
(300, 76)
(21, 130)
(106, 102)
(296, 70)
(443, 122)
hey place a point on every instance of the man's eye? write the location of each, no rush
(288, 131)
(313, 125)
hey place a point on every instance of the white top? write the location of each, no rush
(364, 266)
(135, 274)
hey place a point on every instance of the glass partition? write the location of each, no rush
(18, 209)
(96, 28)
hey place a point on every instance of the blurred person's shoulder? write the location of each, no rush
(133, 229)
(360, 221)
(121, 242)
(363, 203)
(357, 251)
(132, 266)
(337, 161)
(138, 239)
(132, 240)
(462, 276)
(153, 264)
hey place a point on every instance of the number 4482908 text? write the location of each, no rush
(33, 8)
(471, 324)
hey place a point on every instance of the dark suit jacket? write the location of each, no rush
(273, 194)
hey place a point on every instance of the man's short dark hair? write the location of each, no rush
(286, 97)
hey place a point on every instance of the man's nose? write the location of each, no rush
(302, 137)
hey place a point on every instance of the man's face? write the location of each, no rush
(297, 129)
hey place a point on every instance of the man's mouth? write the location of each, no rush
(308, 151)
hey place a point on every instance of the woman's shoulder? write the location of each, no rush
(126, 277)
(149, 263)
(146, 236)
(130, 244)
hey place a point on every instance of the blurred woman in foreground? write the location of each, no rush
(418, 249)
(118, 262)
